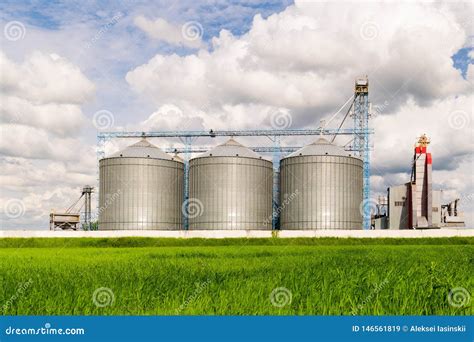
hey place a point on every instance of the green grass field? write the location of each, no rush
(326, 276)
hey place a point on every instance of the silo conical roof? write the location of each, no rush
(142, 149)
(231, 148)
(321, 147)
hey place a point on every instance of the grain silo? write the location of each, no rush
(230, 187)
(321, 188)
(141, 187)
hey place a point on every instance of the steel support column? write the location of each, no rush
(361, 142)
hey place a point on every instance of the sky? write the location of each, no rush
(70, 69)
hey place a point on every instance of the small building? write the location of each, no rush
(64, 220)
(415, 205)
(402, 213)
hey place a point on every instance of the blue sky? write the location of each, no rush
(235, 16)
(461, 60)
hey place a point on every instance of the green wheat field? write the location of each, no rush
(324, 276)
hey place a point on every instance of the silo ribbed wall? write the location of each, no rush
(140, 194)
(235, 193)
(321, 192)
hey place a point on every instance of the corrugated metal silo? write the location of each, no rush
(321, 188)
(232, 187)
(141, 188)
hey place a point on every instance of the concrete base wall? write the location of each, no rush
(219, 234)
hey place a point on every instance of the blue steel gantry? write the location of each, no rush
(360, 145)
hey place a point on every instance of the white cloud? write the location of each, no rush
(45, 91)
(41, 107)
(189, 34)
(171, 117)
(19, 174)
(304, 60)
(59, 118)
(36, 143)
(43, 79)
(42, 152)
(449, 123)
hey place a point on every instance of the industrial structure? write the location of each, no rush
(141, 188)
(230, 187)
(415, 205)
(361, 140)
(451, 216)
(324, 185)
(71, 217)
(221, 210)
(64, 220)
(87, 193)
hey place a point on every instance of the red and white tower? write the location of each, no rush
(420, 196)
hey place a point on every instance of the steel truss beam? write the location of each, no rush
(278, 151)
